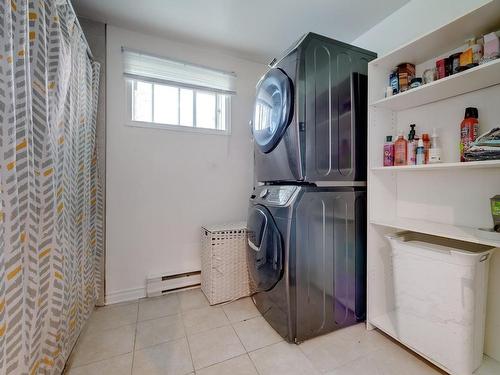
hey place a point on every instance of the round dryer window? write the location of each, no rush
(273, 109)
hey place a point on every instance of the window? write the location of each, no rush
(161, 104)
(169, 94)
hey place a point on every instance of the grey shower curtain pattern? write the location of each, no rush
(49, 199)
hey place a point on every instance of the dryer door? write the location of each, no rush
(273, 109)
(264, 250)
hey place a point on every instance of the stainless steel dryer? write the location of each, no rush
(307, 257)
(310, 114)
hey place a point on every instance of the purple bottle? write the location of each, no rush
(388, 152)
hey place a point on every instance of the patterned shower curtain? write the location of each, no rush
(49, 217)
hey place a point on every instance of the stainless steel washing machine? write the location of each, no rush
(307, 257)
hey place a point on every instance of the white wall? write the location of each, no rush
(162, 185)
(416, 18)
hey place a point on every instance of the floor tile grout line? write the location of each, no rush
(159, 317)
(241, 342)
(216, 363)
(267, 346)
(135, 338)
(160, 343)
(226, 360)
(253, 362)
(179, 312)
(100, 360)
(189, 345)
(209, 329)
(251, 351)
(312, 363)
(238, 336)
(115, 305)
(100, 330)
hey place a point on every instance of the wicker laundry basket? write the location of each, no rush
(224, 271)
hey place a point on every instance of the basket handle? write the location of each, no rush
(484, 258)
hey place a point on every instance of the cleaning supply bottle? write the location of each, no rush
(435, 150)
(420, 152)
(469, 129)
(412, 146)
(427, 146)
(388, 152)
(400, 150)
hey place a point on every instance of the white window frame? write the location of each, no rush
(175, 127)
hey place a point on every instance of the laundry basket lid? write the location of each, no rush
(242, 225)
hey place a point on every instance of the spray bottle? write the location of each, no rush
(412, 146)
(435, 150)
(420, 152)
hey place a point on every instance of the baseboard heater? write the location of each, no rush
(158, 285)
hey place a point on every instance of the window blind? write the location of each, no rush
(147, 67)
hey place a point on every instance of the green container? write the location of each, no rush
(495, 212)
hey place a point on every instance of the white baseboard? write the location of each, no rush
(125, 295)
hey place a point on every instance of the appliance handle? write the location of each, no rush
(359, 120)
(253, 246)
(354, 117)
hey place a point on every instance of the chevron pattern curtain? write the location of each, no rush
(49, 199)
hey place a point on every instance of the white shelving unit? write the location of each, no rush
(477, 78)
(441, 166)
(450, 199)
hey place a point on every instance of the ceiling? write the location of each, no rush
(254, 29)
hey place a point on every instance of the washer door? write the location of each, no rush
(273, 109)
(264, 250)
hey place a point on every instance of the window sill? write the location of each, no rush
(177, 128)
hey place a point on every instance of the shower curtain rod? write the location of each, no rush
(89, 51)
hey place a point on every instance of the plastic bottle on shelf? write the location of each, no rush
(469, 129)
(427, 145)
(412, 146)
(435, 150)
(400, 150)
(420, 153)
(388, 152)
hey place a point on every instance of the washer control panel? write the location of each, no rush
(277, 195)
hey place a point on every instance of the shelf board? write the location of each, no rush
(476, 78)
(386, 323)
(483, 19)
(456, 232)
(441, 166)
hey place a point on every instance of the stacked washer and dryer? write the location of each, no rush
(307, 216)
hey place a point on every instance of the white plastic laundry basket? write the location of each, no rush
(440, 288)
(224, 271)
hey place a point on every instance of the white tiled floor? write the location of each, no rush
(180, 334)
